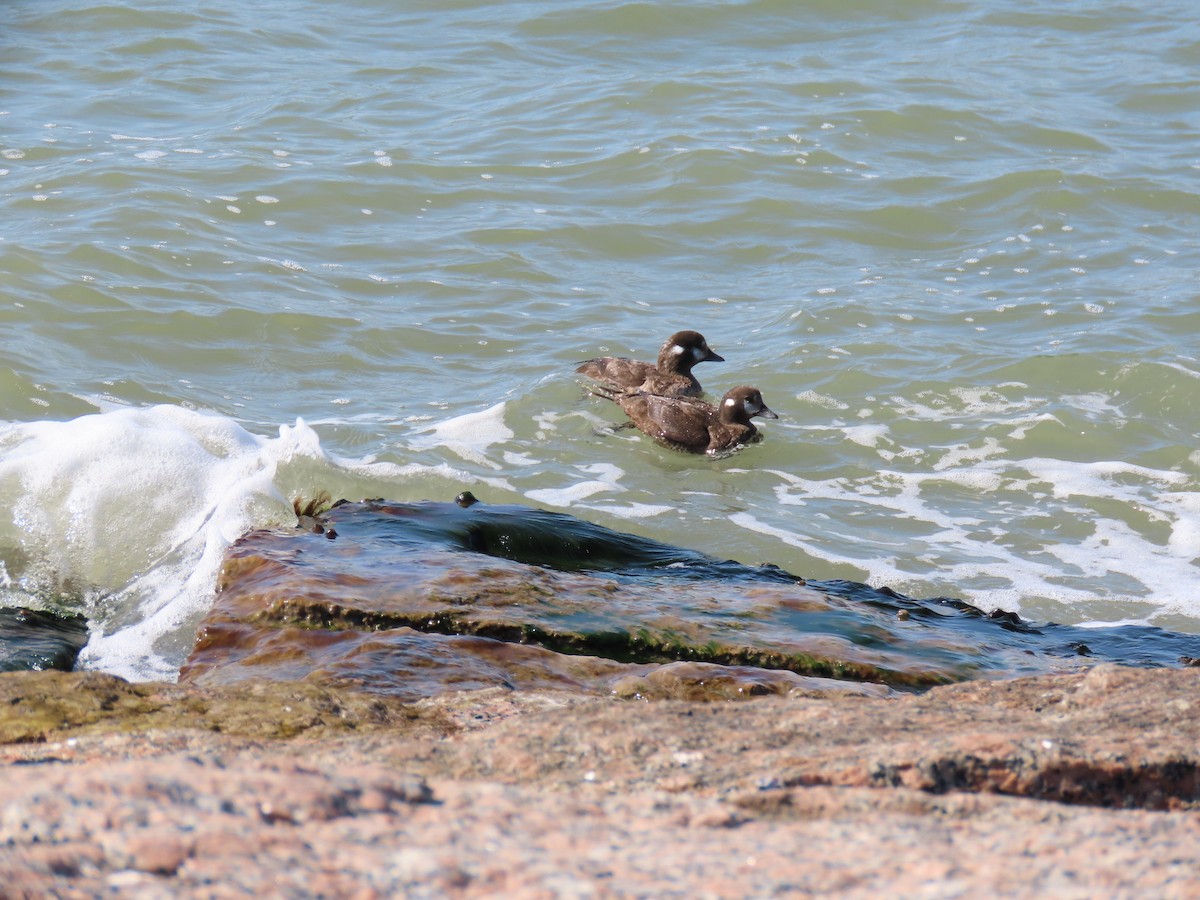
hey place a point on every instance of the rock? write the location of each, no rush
(33, 639)
(1063, 785)
(436, 700)
(37, 705)
(159, 854)
(415, 599)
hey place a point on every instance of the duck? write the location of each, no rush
(696, 426)
(670, 376)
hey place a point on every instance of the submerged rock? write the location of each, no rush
(32, 639)
(414, 599)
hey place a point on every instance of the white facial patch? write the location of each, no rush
(731, 402)
(676, 350)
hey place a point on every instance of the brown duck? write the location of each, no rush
(670, 376)
(694, 426)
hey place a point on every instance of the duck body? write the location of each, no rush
(669, 376)
(696, 426)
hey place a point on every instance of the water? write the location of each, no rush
(250, 252)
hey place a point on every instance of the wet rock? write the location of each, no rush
(32, 639)
(35, 706)
(419, 598)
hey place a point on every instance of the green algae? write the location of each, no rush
(45, 706)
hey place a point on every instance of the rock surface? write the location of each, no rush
(1082, 785)
(427, 700)
(34, 639)
(412, 599)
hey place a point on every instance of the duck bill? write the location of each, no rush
(713, 357)
(766, 413)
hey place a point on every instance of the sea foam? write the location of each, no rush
(126, 515)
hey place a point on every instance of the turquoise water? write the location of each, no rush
(253, 251)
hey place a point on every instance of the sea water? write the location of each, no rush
(253, 252)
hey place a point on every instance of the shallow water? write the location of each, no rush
(952, 243)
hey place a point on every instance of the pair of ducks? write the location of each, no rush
(662, 398)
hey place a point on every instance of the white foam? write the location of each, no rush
(469, 435)
(866, 435)
(135, 508)
(1128, 533)
(608, 480)
(631, 510)
(965, 402)
(130, 512)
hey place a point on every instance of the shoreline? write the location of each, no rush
(1074, 784)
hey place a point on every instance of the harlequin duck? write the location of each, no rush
(694, 426)
(671, 376)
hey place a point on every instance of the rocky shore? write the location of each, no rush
(1083, 785)
(435, 700)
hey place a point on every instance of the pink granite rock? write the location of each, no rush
(1072, 785)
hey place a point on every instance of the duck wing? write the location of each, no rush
(627, 374)
(670, 385)
(679, 422)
